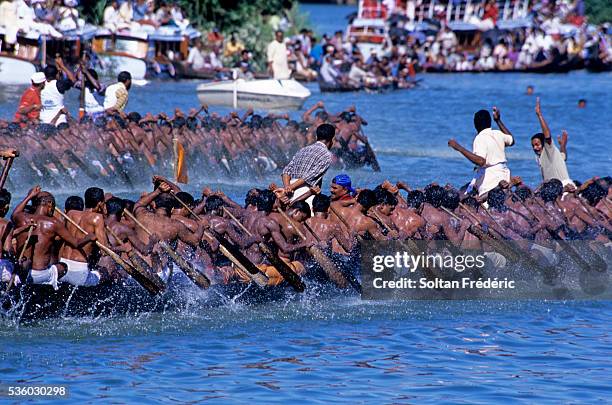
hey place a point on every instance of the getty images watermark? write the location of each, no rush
(510, 270)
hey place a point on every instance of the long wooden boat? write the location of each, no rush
(35, 302)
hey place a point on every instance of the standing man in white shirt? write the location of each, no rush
(277, 57)
(116, 95)
(52, 95)
(488, 152)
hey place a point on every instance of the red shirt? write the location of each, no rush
(29, 97)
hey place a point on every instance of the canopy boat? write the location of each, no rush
(257, 94)
(33, 51)
(143, 54)
(369, 29)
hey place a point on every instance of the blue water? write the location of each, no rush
(323, 350)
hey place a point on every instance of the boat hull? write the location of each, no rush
(15, 70)
(256, 94)
(114, 64)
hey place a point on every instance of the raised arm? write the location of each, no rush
(563, 144)
(306, 117)
(18, 211)
(543, 124)
(472, 157)
(147, 199)
(501, 125)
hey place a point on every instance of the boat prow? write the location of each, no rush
(15, 70)
(257, 94)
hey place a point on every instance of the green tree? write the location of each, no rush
(599, 11)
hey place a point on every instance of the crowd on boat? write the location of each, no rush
(300, 227)
(388, 41)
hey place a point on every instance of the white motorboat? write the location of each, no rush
(268, 94)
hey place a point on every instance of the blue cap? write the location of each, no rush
(345, 181)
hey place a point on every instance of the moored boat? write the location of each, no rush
(257, 94)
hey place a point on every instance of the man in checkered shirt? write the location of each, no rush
(308, 166)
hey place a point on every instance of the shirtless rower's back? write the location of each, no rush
(45, 270)
(91, 219)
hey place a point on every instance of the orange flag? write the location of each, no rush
(180, 167)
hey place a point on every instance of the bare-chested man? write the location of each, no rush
(270, 231)
(158, 220)
(327, 230)
(45, 269)
(81, 271)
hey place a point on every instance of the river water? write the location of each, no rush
(322, 350)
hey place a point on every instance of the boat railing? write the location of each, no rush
(463, 10)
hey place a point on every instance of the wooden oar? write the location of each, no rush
(195, 276)
(571, 252)
(148, 282)
(326, 264)
(231, 251)
(5, 171)
(136, 263)
(501, 246)
(285, 271)
(18, 263)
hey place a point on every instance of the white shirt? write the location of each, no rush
(195, 58)
(52, 102)
(92, 105)
(490, 144)
(277, 55)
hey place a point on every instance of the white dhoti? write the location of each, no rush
(6, 272)
(47, 276)
(79, 274)
(300, 192)
(488, 177)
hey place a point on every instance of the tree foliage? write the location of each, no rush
(599, 11)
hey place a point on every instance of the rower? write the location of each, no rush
(81, 270)
(45, 269)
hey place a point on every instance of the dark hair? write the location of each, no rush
(367, 198)
(482, 120)
(124, 77)
(74, 203)
(50, 72)
(523, 193)
(322, 115)
(321, 203)
(326, 132)
(303, 207)
(93, 196)
(5, 197)
(179, 122)
(134, 117)
(496, 198)
(434, 195)
(539, 136)
(415, 198)
(450, 199)
(593, 193)
(471, 202)
(128, 205)
(115, 206)
(165, 201)
(251, 197)
(385, 197)
(186, 198)
(213, 203)
(549, 192)
(266, 200)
